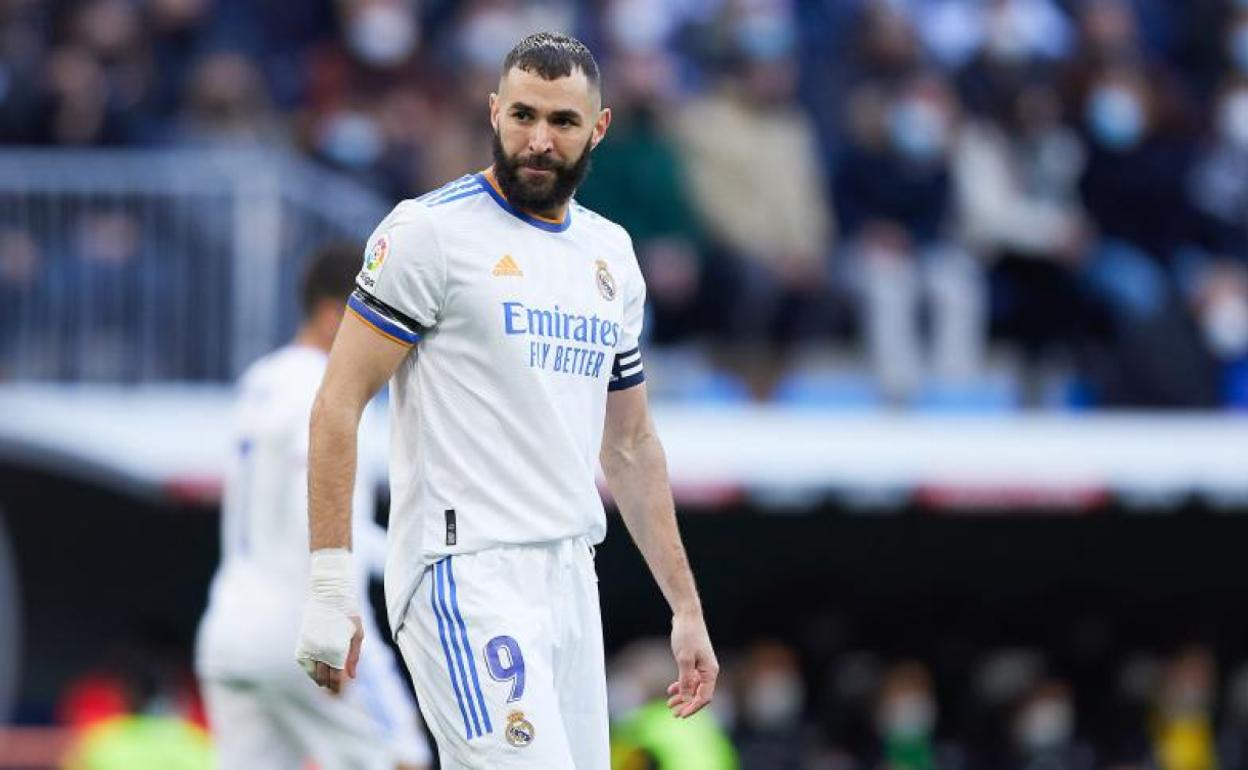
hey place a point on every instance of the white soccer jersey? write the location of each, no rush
(257, 595)
(523, 325)
(263, 706)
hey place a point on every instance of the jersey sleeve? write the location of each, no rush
(627, 371)
(400, 289)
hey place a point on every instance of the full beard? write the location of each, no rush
(538, 197)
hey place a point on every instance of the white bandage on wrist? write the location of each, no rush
(330, 610)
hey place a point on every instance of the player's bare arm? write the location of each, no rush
(636, 470)
(360, 362)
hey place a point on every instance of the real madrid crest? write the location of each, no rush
(519, 730)
(605, 281)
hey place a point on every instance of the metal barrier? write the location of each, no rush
(135, 266)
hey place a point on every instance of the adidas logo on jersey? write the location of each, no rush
(507, 267)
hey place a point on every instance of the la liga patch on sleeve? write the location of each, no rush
(374, 260)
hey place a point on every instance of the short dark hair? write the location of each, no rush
(330, 274)
(552, 55)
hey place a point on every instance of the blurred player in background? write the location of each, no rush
(509, 318)
(263, 710)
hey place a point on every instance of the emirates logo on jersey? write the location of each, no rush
(605, 281)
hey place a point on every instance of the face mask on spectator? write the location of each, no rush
(774, 700)
(1045, 724)
(351, 139)
(917, 129)
(1225, 324)
(383, 35)
(1238, 47)
(909, 715)
(1115, 117)
(1233, 119)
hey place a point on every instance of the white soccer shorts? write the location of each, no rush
(505, 647)
(282, 724)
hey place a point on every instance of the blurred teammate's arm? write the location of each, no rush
(636, 470)
(360, 362)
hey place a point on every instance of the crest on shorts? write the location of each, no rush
(605, 281)
(519, 731)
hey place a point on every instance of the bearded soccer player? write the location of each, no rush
(506, 318)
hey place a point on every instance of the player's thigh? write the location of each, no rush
(580, 675)
(480, 651)
(244, 730)
(381, 690)
(333, 729)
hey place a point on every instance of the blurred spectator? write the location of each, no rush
(137, 712)
(106, 246)
(1016, 179)
(359, 85)
(78, 110)
(1021, 40)
(1215, 276)
(871, 46)
(226, 103)
(894, 201)
(19, 278)
(176, 29)
(644, 736)
(1233, 737)
(1134, 187)
(771, 730)
(956, 31)
(1182, 724)
(1043, 732)
(638, 181)
(1236, 41)
(753, 164)
(23, 51)
(905, 720)
(888, 45)
(110, 32)
(1109, 34)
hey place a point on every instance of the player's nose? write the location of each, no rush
(540, 139)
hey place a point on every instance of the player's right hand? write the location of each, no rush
(328, 650)
(331, 633)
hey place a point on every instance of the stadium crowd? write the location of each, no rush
(1005, 710)
(932, 182)
(813, 707)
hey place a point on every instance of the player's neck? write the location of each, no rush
(309, 336)
(555, 215)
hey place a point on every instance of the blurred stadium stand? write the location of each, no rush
(155, 265)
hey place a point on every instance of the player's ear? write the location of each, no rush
(600, 126)
(494, 110)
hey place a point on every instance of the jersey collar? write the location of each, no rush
(541, 223)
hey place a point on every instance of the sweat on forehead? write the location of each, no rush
(551, 55)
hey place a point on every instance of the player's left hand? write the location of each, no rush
(698, 668)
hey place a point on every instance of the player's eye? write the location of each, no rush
(522, 115)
